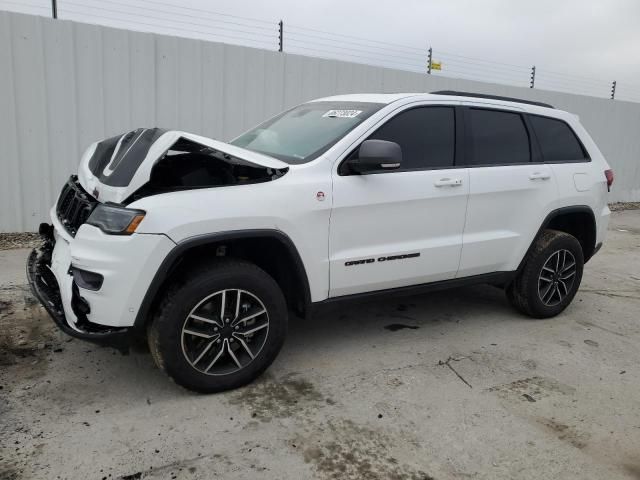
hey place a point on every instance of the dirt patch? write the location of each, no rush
(394, 327)
(8, 471)
(565, 432)
(269, 397)
(356, 452)
(26, 328)
(133, 476)
(204, 467)
(588, 324)
(632, 469)
(532, 389)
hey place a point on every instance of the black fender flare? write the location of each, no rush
(554, 214)
(174, 256)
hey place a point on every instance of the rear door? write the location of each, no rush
(510, 190)
(401, 227)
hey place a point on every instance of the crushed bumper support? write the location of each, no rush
(46, 289)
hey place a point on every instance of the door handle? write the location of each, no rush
(448, 182)
(539, 176)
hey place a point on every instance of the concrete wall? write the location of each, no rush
(64, 85)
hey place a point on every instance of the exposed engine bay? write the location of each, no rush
(188, 165)
(151, 161)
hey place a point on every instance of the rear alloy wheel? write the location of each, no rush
(557, 277)
(219, 327)
(550, 276)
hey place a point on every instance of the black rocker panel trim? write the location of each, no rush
(496, 278)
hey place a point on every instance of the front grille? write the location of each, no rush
(74, 205)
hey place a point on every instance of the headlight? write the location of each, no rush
(116, 220)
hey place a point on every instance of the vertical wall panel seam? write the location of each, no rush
(48, 160)
(265, 95)
(130, 89)
(284, 81)
(155, 80)
(223, 133)
(74, 38)
(18, 182)
(201, 62)
(73, 78)
(102, 85)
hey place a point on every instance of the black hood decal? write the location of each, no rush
(117, 159)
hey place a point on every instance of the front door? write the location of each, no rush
(401, 227)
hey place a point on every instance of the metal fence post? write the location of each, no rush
(54, 8)
(613, 90)
(280, 36)
(430, 60)
(533, 77)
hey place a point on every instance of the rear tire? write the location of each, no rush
(550, 277)
(207, 347)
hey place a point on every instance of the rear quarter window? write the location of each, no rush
(557, 140)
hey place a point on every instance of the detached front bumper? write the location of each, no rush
(47, 290)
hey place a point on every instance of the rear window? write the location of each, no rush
(556, 139)
(498, 138)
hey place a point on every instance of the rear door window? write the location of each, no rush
(556, 139)
(497, 138)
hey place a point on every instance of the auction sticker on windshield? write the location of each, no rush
(342, 113)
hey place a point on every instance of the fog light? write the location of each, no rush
(87, 280)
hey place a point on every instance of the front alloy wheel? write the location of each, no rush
(225, 332)
(219, 326)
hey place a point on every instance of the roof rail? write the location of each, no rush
(492, 97)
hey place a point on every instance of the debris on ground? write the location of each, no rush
(448, 364)
(10, 241)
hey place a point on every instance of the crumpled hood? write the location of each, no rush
(112, 169)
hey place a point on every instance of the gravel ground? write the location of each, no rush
(446, 386)
(617, 207)
(9, 241)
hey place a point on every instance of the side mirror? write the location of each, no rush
(376, 156)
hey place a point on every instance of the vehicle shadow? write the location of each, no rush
(432, 312)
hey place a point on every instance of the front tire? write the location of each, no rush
(220, 327)
(550, 277)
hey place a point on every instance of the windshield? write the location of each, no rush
(307, 131)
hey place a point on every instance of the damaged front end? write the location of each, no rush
(67, 272)
(147, 162)
(47, 290)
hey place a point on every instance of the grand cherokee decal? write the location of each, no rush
(381, 259)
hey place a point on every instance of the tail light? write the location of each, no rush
(609, 175)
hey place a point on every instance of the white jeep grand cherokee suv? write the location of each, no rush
(206, 246)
